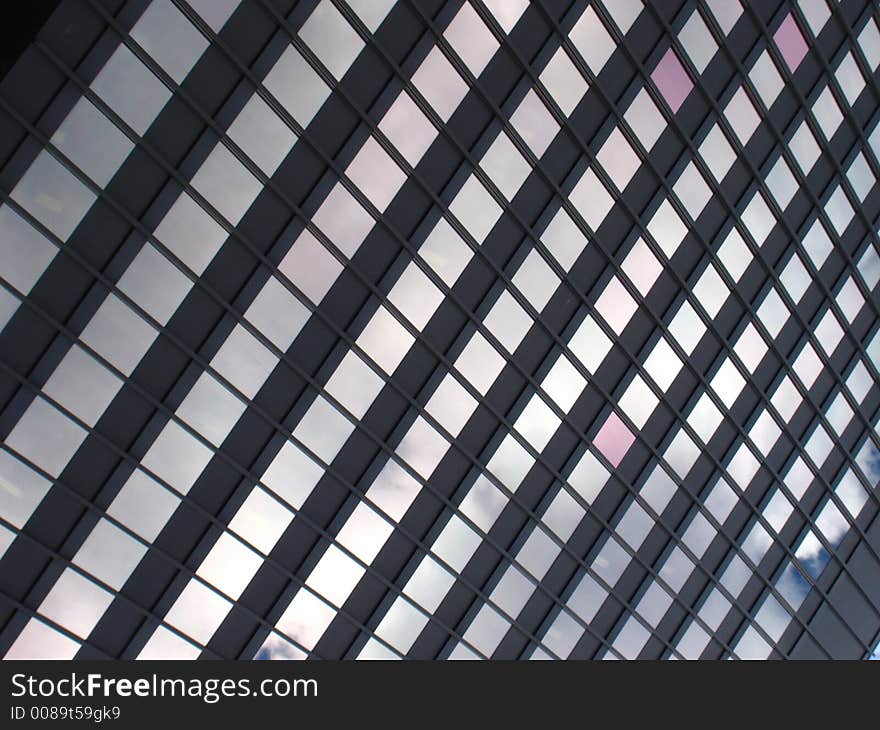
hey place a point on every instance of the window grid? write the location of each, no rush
(607, 397)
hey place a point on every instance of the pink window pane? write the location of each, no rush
(672, 80)
(791, 43)
(614, 439)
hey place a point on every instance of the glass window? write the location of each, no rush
(726, 13)
(445, 252)
(795, 278)
(663, 365)
(176, 457)
(261, 134)
(711, 291)
(591, 199)
(537, 423)
(677, 569)
(483, 503)
(439, 83)
(638, 402)
(415, 295)
(590, 344)
(588, 477)
(869, 266)
(642, 267)
(166, 34)
(860, 177)
(305, 619)
(817, 244)
(534, 123)
(850, 78)
(131, 90)
(672, 80)
(451, 405)
(613, 439)
(24, 252)
(827, 113)
(343, 220)
(721, 500)
(75, 603)
(354, 384)
(143, 506)
(197, 612)
(505, 165)
(611, 561)
(618, 159)
(764, 433)
(226, 184)
(229, 566)
(592, 40)
(564, 81)
(699, 534)
(717, 153)
(645, 119)
(53, 195)
(215, 12)
(807, 365)
(697, 41)
(508, 321)
(364, 533)
(786, 399)
(475, 208)
(333, 40)
(750, 347)
(734, 254)
(371, 12)
(92, 142)
(743, 467)
(850, 299)
(190, 233)
(292, 475)
(244, 361)
(727, 382)
(261, 520)
(22, 490)
(869, 41)
(692, 190)
(766, 79)
(741, 116)
(773, 312)
(471, 39)
(38, 640)
(506, 12)
(297, 86)
(839, 210)
(510, 463)
(82, 385)
(376, 174)
(624, 12)
(687, 328)
(704, 418)
(154, 284)
(616, 305)
(758, 218)
(816, 12)
(210, 409)
(323, 430)
(312, 269)
(109, 554)
(790, 42)
(781, 183)
(859, 382)
(385, 340)
(480, 363)
(667, 228)
(277, 314)
(564, 239)
(851, 493)
(536, 280)
(839, 414)
(46, 437)
(408, 129)
(804, 147)
(456, 544)
(563, 515)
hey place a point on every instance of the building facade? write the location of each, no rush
(441, 329)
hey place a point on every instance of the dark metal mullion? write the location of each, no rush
(613, 403)
(55, 557)
(491, 186)
(638, 296)
(90, 506)
(711, 324)
(260, 337)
